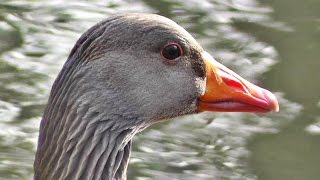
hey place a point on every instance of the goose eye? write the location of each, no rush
(171, 51)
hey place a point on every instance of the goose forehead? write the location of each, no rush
(152, 25)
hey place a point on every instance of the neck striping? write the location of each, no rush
(78, 138)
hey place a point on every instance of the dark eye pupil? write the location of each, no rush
(171, 52)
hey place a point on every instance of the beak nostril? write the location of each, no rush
(233, 82)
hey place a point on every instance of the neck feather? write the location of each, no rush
(78, 138)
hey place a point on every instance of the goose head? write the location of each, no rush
(122, 75)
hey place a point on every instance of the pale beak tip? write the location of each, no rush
(271, 100)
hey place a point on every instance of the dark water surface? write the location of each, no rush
(272, 43)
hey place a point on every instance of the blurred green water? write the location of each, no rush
(271, 43)
(294, 152)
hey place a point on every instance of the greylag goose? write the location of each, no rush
(124, 74)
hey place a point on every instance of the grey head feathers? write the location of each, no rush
(114, 84)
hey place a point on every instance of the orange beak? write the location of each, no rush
(228, 92)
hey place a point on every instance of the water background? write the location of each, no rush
(274, 44)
